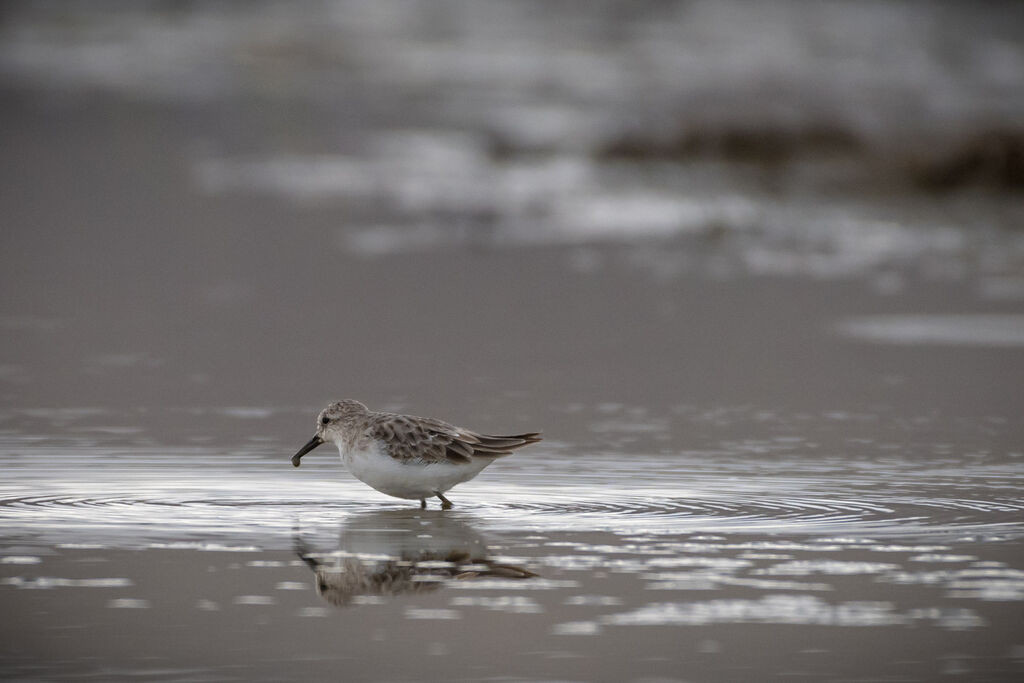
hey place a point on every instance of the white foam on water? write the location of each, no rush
(967, 330)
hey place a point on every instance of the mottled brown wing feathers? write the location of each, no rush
(458, 451)
(428, 440)
(508, 442)
(486, 445)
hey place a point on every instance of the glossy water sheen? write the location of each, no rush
(559, 554)
(146, 495)
(754, 268)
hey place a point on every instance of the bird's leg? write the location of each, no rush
(423, 503)
(445, 503)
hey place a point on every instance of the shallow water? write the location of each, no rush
(134, 496)
(755, 270)
(559, 562)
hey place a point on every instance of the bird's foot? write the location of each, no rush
(445, 503)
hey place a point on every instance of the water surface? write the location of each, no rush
(755, 269)
(563, 556)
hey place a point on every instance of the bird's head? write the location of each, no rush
(332, 424)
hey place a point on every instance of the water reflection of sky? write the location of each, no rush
(571, 546)
(645, 229)
(143, 494)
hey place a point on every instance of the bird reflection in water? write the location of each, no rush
(392, 552)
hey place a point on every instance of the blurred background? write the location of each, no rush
(756, 270)
(510, 207)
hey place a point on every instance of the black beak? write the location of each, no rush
(310, 445)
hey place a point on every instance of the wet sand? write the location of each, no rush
(779, 382)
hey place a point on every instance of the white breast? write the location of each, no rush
(414, 480)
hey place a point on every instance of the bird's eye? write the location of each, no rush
(324, 420)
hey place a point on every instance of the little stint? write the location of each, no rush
(406, 456)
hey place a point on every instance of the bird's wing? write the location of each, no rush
(432, 441)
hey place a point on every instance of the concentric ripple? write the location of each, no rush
(257, 501)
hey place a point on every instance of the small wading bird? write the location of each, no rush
(405, 456)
